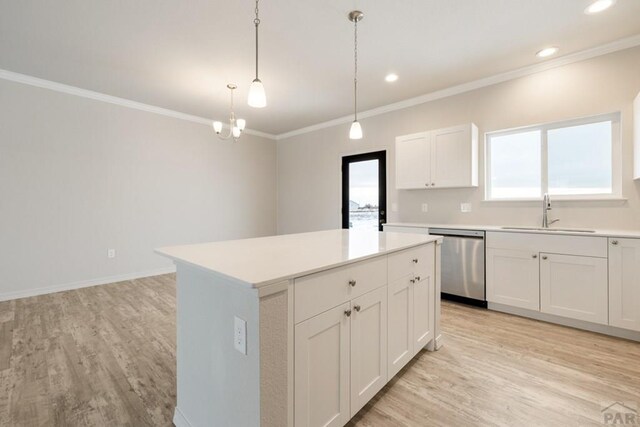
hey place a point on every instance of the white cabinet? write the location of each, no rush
(574, 287)
(368, 347)
(513, 278)
(442, 158)
(400, 348)
(423, 318)
(624, 283)
(413, 161)
(322, 369)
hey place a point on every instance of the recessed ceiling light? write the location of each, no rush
(391, 78)
(599, 6)
(547, 51)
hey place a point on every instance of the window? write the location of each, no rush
(573, 160)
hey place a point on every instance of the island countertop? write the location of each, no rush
(263, 261)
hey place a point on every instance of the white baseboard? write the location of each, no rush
(564, 321)
(85, 283)
(179, 420)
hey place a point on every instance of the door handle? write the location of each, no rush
(356, 308)
(352, 283)
(534, 256)
(347, 313)
(614, 242)
(544, 257)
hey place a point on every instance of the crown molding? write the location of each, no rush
(97, 96)
(583, 55)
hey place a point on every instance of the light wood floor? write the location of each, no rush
(105, 356)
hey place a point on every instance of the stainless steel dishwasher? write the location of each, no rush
(463, 277)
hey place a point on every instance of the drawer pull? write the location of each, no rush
(352, 283)
(356, 308)
(417, 278)
(534, 256)
(415, 260)
(544, 257)
(412, 280)
(614, 242)
(347, 313)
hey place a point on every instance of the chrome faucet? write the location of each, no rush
(546, 207)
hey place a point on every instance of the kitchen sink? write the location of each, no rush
(565, 230)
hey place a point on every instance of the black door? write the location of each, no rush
(364, 190)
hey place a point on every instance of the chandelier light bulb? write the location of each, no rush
(217, 126)
(356, 130)
(241, 123)
(257, 96)
(236, 132)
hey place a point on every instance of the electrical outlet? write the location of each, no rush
(425, 207)
(465, 207)
(240, 334)
(111, 253)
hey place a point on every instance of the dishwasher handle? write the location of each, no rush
(448, 232)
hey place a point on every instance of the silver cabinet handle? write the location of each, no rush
(356, 308)
(415, 260)
(426, 184)
(534, 256)
(417, 278)
(352, 283)
(544, 257)
(347, 313)
(614, 242)
(412, 280)
(433, 184)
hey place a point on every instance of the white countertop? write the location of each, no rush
(267, 260)
(598, 232)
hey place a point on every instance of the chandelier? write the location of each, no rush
(236, 126)
(356, 130)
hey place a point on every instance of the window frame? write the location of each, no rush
(616, 158)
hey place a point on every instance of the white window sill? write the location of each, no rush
(562, 199)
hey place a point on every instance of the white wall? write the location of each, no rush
(309, 191)
(79, 176)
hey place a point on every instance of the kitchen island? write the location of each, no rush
(299, 329)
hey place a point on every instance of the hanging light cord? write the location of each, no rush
(355, 77)
(256, 21)
(232, 116)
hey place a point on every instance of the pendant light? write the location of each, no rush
(236, 126)
(356, 130)
(257, 97)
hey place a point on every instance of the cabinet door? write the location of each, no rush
(322, 369)
(400, 348)
(422, 314)
(412, 161)
(454, 158)
(574, 286)
(368, 347)
(624, 283)
(513, 278)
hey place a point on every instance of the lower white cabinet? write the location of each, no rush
(400, 323)
(574, 286)
(423, 316)
(368, 347)
(513, 278)
(624, 283)
(322, 352)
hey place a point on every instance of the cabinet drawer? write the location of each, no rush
(555, 244)
(319, 292)
(414, 262)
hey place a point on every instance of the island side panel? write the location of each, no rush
(275, 314)
(436, 343)
(217, 385)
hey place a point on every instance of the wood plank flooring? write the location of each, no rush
(105, 356)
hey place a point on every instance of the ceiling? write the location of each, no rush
(180, 54)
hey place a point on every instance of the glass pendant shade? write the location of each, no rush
(217, 127)
(241, 123)
(356, 130)
(257, 96)
(236, 132)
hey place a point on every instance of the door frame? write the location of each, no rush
(381, 157)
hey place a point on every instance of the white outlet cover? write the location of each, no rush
(240, 334)
(111, 253)
(425, 207)
(465, 207)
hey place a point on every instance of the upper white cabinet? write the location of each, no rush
(442, 158)
(636, 133)
(574, 286)
(624, 283)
